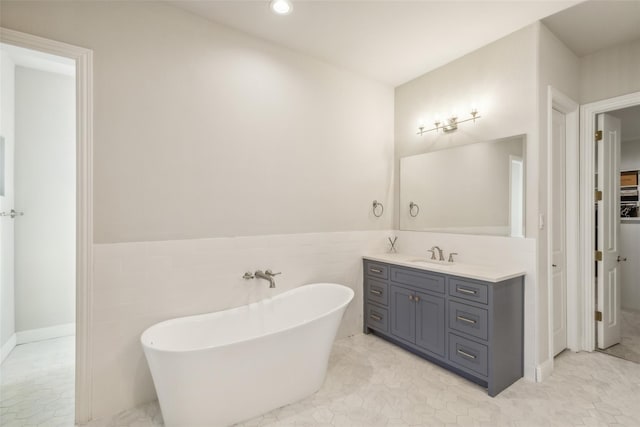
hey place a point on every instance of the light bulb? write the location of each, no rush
(281, 7)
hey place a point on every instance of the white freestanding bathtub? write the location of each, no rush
(220, 368)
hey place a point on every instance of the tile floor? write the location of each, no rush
(37, 384)
(373, 383)
(629, 348)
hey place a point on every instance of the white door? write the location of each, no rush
(7, 320)
(558, 241)
(608, 272)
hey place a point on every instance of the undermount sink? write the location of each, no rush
(432, 261)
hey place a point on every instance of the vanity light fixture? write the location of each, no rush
(281, 7)
(449, 124)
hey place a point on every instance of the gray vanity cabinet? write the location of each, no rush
(418, 318)
(471, 327)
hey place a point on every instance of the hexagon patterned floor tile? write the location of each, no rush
(373, 383)
(37, 384)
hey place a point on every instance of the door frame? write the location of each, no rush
(557, 100)
(84, 203)
(587, 293)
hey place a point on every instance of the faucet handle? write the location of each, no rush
(248, 276)
(451, 256)
(271, 273)
(433, 253)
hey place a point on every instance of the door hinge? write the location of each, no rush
(598, 316)
(598, 255)
(598, 196)
(599, 135)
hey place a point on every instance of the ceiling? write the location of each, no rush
(595, 25)
(391, 41)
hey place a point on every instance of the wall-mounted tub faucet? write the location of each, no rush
(267, 275)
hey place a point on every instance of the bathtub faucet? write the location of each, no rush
(267, 275)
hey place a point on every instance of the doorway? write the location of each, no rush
(37, 232)
(618, 332)
(599, 262)
(82, 60)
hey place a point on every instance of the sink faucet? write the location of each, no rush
(440, 253)
(267, 275)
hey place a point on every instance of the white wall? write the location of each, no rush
(630, 155)
(7, 129)
(502, 80)
(202, 132)
(610, 72)
(45, 191)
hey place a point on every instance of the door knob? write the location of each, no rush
(621, 259)
(12, 214)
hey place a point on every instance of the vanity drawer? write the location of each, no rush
(418, 279)
(377, 291)
(374, 269)
(468, 354)
(468, 319)
(469, 290)
(377, 318)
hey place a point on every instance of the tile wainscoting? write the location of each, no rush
(141, 283)
(138, 284)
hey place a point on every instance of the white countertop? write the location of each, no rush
(486, 273)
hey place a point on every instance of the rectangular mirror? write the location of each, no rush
(470, 189)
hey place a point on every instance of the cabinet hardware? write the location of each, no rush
(465, 354)
(410, 297)
(416, 298)
(375, 270)
(464, 319)
(375, 292)
(598, 135)
(376, 318)
(598, 255)
(598, 316)
(467, 291)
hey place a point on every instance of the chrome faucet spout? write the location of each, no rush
(268, 276)
(440, 253)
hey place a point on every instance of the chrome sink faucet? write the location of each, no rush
(440, 253)
(267, 275)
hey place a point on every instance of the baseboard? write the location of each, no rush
(7, 347)
(41, 334)
(544, 370)
(529, 373)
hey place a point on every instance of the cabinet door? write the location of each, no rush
(430, 323)
(403, 313)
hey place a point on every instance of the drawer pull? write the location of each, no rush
(465, 354)
(375, 292)
(465, 319)
(376, 317)
(467, 291)
(375, 270)
(410, 297)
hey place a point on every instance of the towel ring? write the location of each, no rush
(411, 206)
(376, 205)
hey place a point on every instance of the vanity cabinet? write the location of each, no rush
(471, 327)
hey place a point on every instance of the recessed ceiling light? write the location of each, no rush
(281, 7)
